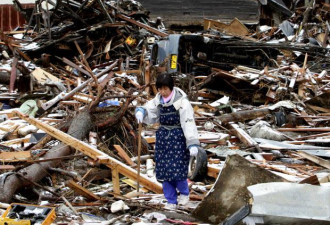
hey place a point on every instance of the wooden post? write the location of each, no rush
(115, 180)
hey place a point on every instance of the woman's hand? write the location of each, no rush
(139, 116)
(193, 150)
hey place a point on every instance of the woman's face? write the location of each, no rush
(164, 91)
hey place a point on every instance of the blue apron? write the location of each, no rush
(171, 154)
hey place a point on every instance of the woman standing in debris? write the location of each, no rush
(176, 138)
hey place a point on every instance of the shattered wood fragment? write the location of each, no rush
(280, 170)
(235, 27)
(310, 180)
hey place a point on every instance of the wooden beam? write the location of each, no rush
(315, 159)
(94, 153)
(82, 191)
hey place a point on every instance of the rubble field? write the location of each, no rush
(71, 148)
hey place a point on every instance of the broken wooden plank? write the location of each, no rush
(313, 136)
(305, 129)
(15, 156)
(123, 154)
(7, 167)
(94, 153)
(318, 108)
(82, 191)
(43, 76)
(244, 137)
(16, 141)
(133, 184)
(315, 159)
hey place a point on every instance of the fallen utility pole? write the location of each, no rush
(115, 165)
(243, 115)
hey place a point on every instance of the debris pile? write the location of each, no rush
(71, 79)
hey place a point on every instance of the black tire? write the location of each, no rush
(197, 169)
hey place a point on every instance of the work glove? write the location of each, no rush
(139, 116)
(193, 150)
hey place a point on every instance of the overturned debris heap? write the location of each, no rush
(69, 84)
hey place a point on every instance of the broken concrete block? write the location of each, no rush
(118, 206)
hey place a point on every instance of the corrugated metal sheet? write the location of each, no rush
(192, 12)
(10, 18)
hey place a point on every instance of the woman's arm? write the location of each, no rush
(150, 111)
(188, 124)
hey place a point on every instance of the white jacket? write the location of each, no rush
(180, 102)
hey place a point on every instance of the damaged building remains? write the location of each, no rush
(73, 72)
